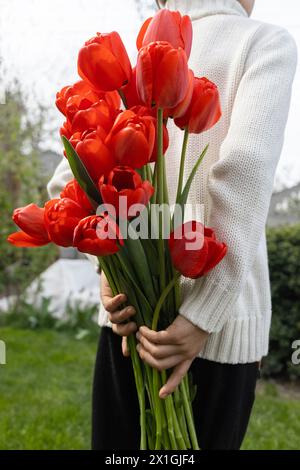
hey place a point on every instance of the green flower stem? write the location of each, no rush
(177, 293)
(140, 389)
(181, 417)
(157, 382)
(180, 444)
(166, 192)
(104, 267)
(160, 198)
(182, 163)
(144, 172)
(178, 434)
(169, 414)
(144, 317)
(189, 414)
(161, 300)
(111, 272)
(149, 172)
(165, 433)
(160, 157)
(154, 184)
(122, 96)
(158, 409)
(149, 385)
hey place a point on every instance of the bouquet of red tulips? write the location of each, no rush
(117, 206)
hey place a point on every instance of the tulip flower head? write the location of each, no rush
(162, 75)
(99, 114)
(124, 182)
(97, 235)
(61, 218)
(71, 97)
(169, 26)
(195, 250)
(95, 155)
(144, 111)
(33, 232)
(131, 139)
(73, 191)
(130, 92)
(204, 110)
(182, 107)
(103, 62)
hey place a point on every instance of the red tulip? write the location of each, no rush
(131, 139)
(95, 155)
(99, 114)
(144, 111)
(182, 107)
(30, 219)
(103, 62)
(74, 139)
(66, 130)
(73, 191)
(204, 110)
(162, 75)
(61, 218)
(80, 96)
(97, 235)
(167, 26)
(68, 96)
(130, 91)
(124, 181)
(195, 250)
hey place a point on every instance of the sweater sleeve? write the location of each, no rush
(240, 183)
(60, 178)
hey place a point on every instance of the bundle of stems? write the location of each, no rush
(142, 269)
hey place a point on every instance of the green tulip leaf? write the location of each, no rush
(81, 174)
(184, 195)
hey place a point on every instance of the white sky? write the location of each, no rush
(40, 39)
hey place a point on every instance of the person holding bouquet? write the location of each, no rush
(221, 332)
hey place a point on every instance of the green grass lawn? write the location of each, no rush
(45, 390)
(45, 397)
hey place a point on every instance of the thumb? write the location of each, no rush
(175, 378)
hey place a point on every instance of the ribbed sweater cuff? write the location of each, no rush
(208, 306)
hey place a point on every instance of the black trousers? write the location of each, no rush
(222, 407)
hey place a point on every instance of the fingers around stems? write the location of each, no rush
(124, 329)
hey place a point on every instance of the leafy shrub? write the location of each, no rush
(81, 322)
(284, 263)
(21, 182)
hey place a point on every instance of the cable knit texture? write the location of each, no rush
(253, 64)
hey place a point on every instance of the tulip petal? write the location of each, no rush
(142, 32)
(21, 239)
(100, 68)
(144, 77)
(30, 219)
(171, 79)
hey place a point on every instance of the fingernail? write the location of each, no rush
(130, 310)
(137, 347)
(163, 395)
(138, 335)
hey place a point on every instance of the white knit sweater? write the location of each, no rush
(253, 64)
